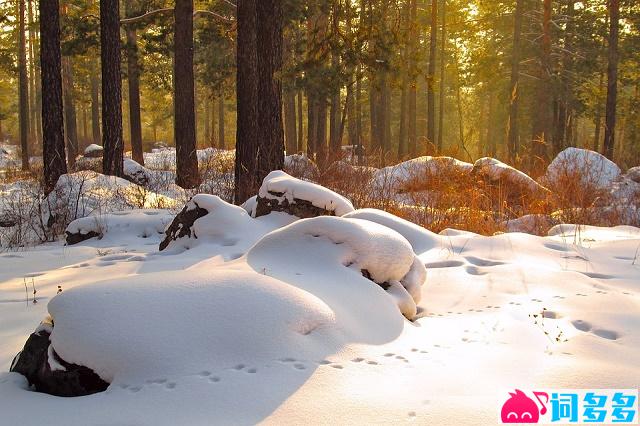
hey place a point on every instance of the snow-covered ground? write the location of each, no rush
(289, 331)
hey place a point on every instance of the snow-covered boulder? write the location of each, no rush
(337, 247)
(122, 225)
(588, 169)
(178, 323)
(281, 192)
(211, 220)
(496, 172)
(633, 174)
(395, 178)
(48, 373)
(93, 151)
(135, 172)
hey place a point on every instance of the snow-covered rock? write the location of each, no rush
(535, 224)
(93, 151)
(497, 172)
(300, 165)
(336, 245)
(392, 178)
(281, 192)
(135, 172)
(589, 168)
(48, 373)
(122, 226)
(162, 324)
(207, 219)
(633, 174)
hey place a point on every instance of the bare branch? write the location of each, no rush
(197, 13)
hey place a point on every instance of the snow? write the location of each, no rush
(362, 246)
(271, 320)
(93, 148)
(496, 170)
(393, 177)
(278, 185)
(590, 167)
(123, 225)
(226, 230)
(136, 172)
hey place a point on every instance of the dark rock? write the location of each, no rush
(78, 237)
(33, 363)
(93, 151)
(182, 223)
(300, 208)
(7, 221)
(135, 172)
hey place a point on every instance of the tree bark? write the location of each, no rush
(541, 132)
(111, 88)
(23, 87)
(598, 115)
(184, 122)
(95, 104)
(51, 73)
(443, 46)
(512, 134)
(221, 138)
(431, 72)
(246, 183)
(70, 120)
(300, 124)
(133, 80)
(413, 72)
(34, 128)
(207, 121)
(612, 79)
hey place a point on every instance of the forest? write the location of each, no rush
(516, 80)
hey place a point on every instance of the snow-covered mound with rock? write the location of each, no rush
(282, 192)
(593, 169)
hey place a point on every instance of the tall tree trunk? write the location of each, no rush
(431, 73)
(512, 134)
(184, 122)
(207, 120)
(598, 115)
(34, 128)
(443, 46)
(133, 80)
(402, 131)
(53, 150)
(70, 121)
(246, 182)
(358, 109)
(95, 104)
(270, 20)
(221, 138)
(300, 124)
(111, 87)
(312, 111)
(413, 72)
(351, 119)
(23, 87)
(612, 79)
(374, 122)
(541, 132)
(85, 136)
(291, 137)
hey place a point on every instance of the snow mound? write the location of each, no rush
(120, 226)
(495, 170)
(280, 190)
(93, 151)
(393, 177)
(87, 193)
(535, 224)
(135, 172)
(207, 219)
(420, 238)
(591, 168)
(300, 165)
(633, 174)
(338, 247)
(175, 322)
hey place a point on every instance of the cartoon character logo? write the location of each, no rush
(522, 409)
